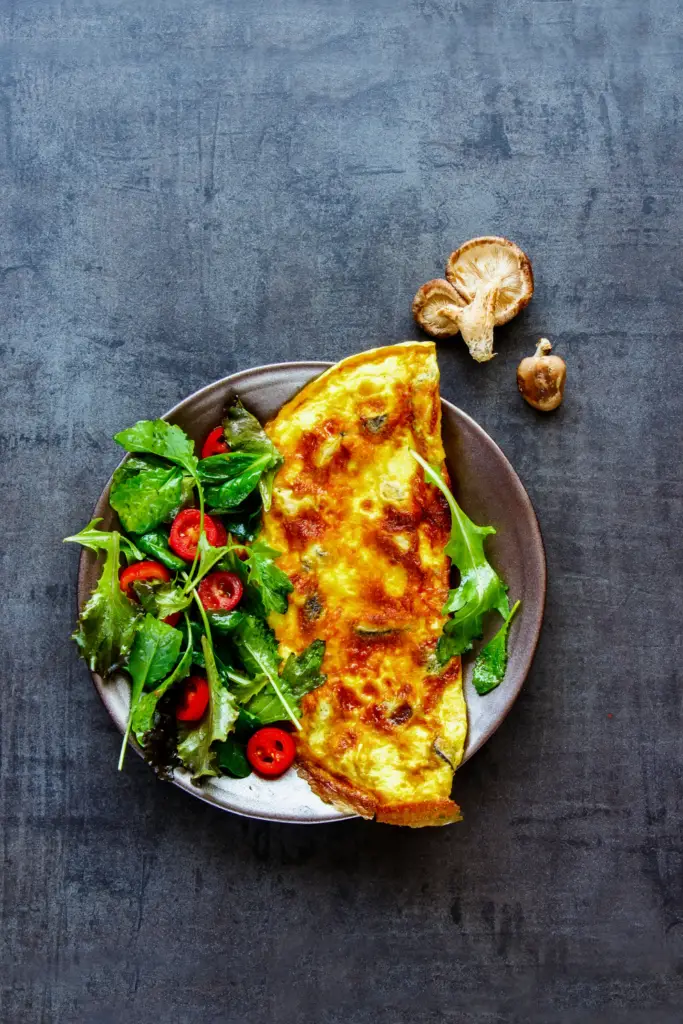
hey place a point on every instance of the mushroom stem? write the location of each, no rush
(477, 321)
(543, 347)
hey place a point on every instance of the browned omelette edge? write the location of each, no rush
(331, 788)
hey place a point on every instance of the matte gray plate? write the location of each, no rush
(488, 489)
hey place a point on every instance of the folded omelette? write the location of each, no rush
(362, 538)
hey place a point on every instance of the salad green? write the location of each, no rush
(480, 590)
(165, 625)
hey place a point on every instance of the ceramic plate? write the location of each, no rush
(488, 489)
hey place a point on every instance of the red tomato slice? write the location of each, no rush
(215, 443)
(270, 751)
(220, 591)
(194, 700)
(146, 571)
(184, 535)
(142, 571)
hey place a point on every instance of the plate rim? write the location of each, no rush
(233, 379)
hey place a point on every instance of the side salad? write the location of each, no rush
(186, 587)
(182, 602)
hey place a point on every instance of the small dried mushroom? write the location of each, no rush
(489, 281)
(541, 378)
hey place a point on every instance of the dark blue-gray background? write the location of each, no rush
(192, 187)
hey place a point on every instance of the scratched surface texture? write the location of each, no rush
(191, 187)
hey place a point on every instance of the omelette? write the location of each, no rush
(362, 537)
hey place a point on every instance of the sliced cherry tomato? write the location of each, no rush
(220, 591)
(194, 700)
(146, 571)
(215, 443)
(270, 751)
(141, 571)
(184, 535)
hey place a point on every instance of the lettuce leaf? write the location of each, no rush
(195, 747)
(143, 714)
(100, 540)
(108, 623)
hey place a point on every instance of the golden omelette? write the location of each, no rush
(362, 538)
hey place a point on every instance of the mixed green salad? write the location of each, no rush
(186, 615)
(186, 588)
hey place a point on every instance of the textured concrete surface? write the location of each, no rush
(190, 187)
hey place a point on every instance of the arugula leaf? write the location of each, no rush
(481, 588)
(107, 624)
(155, 543)
(300, 675)
(161, 599)
(492, 661)
(244, 433)
(145, 709)
(157, 437)
(208, 557)
(154, 653)
(257, 647)
(273, 584)
(146, 492)
(194, 749)
(100, 540)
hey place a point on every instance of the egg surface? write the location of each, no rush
(362, 538)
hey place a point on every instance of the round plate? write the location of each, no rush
(488, 489)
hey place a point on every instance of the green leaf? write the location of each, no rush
(492, 661)
(145, 709)
(154, 653)
(273, 584)
(257, 647)
(108, 622)
(244, 433)
(208, 557)
(244, 521)
(146, 492)
(157, 437)
(300, 675)
(481, 588)
(161, 599)
(232, 758)
(218, 469)
(231, 493)
(100, 540)
(195, 748)
(246, 724)
(225, 623)
(155, 544)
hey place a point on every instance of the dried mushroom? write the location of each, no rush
(541, 378)
(437, 308)
(490, 282)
